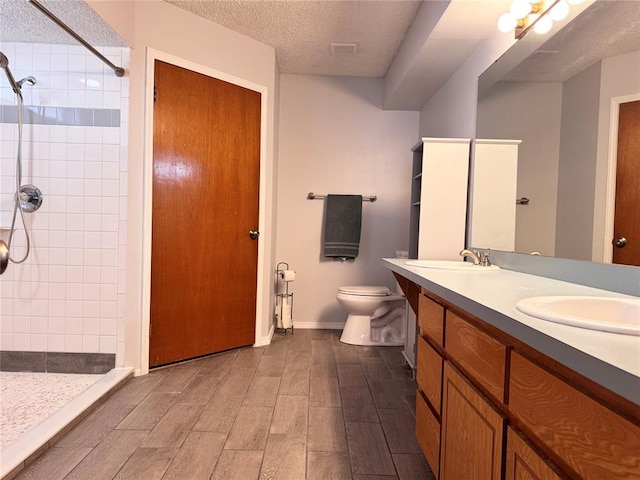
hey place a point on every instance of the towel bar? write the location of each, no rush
(315, 196)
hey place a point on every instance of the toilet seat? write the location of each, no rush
(365, 291)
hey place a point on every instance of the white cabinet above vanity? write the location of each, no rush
(439, 198)
(494, 178)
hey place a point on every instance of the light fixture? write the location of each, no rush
(507, 22)
(520, 8)
(543, 25)
(559, 11)
(538, 15)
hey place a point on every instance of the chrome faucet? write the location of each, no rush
(478, 257)
(475, 255)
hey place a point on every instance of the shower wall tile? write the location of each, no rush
(69, 295)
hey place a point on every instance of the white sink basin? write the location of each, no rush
(451, 265)
(618, 315)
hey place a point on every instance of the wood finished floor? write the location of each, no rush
(304, 407)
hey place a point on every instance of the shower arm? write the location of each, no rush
(119, 71)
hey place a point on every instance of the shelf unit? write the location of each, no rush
(440, 173)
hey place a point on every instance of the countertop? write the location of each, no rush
(609, 359)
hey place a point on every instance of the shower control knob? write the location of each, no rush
(254, 234)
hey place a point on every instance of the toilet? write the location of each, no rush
(376, 316)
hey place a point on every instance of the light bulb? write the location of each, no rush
(543, 25)
(520, 8)
(507, 22)
(559, 11)
(574, 2)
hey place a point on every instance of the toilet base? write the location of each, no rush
(357, 331)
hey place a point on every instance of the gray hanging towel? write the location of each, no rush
(342, 223)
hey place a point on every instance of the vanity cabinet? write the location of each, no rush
(489, 405)
(523, 463)
(587, 437)
(428, 432)
(440, 171)
(471, 434)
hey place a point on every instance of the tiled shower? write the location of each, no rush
(69, 295)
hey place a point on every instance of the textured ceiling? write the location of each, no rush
(22, 22)
(301, 31)
(605, 29)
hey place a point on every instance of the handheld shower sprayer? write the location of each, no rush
(33, 195)
(16, 86)
(4, 63)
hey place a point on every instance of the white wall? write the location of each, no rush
(174, 31)
(451, 112)
(529, 111)
(620, 76)
(69, 295)
(335, 138)
(577, 168)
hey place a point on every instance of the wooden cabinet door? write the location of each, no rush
(472, 432)
(523, 463)
(428, 433)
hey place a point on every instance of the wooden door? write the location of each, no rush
(523, 463)
(627, 209)
(472, 432)
(206, 162)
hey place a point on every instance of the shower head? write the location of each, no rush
(4, 63)
(31, 81)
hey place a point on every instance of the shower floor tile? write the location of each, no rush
(28, 398)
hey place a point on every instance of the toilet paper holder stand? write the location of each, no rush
(281, 298)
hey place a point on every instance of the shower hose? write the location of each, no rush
(16, 201)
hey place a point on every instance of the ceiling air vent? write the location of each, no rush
(343, 48)
(541, 53)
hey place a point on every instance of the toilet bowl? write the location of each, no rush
(376, 316)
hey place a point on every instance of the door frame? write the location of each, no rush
(612, 164)
(151, 56)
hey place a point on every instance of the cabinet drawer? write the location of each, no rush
(590, 439)
(523, 463)
(479, 354)
(431, 319)
(428, 433)
(429, 373)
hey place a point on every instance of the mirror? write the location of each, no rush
(562, 102)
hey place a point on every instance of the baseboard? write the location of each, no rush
(266, 340)
(318, 325)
